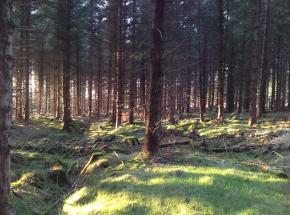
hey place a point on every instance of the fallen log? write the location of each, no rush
(175, 144)
(240, 148)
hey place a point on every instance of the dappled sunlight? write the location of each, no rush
(103, 202)
(175, 189)
(26, 177)
(189, 182)
(109, 132)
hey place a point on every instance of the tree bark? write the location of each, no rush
(132, 81)
(151, 142)
(6, 67)
(27, 61)
(99, 72)
(119, 66)
(78, 71)
(231, 82)
(264, 63)
(254, 67)
(221, 59)
(66, 65)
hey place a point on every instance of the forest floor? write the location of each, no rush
(202, 168)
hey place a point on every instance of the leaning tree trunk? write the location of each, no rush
(6, 67)
(151, 143)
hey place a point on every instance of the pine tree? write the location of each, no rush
(6, 66)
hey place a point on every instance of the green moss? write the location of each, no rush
(190, 183)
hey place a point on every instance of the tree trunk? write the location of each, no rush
(27, 61)
(99, 73)
(90, 90)
(119, 66)
(264, 62)
(143, 89)
(171, 96)
(40, 80)
(202, 61)
(66, 65)
(132, 80)
(254, 67)
(231, 83)
(151, 142)
(6, 67)
(221, 56)
(78, 71)
(188, 90)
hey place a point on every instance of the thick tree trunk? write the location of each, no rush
(221, 57)
(202, 61)
(40, 81)
(171, 96)
(78, 71)
(242, 77)
(59, 91)
(66, 65)
(6, 67)
(231, 83)
(19, 111)
(90, 91)
(119, 66)
(279, 75)
(203, 79)
(132, 80)
(289, 84)
(151, 142)
(143, 90)
(264, 62)
(188, 90)
(273, 93)
(27, 61)
(254, 67)
(99, 72)
(109, 95)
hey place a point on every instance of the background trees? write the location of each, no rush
(92, 59)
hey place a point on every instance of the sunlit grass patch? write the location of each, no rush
(107, 132)
(180, 189)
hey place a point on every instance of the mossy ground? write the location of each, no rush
(180, 180)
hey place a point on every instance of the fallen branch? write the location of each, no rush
(175, 144)
(93, 158)
(241, 148)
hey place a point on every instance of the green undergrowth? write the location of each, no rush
(43, 165)
(233, 125)
(108, 133)
(47, 162)
(202, 186)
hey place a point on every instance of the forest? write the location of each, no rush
(144, 107)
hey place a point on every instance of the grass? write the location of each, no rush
(182, 180)
(38, 149)
(107, 132)
(181, 189)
